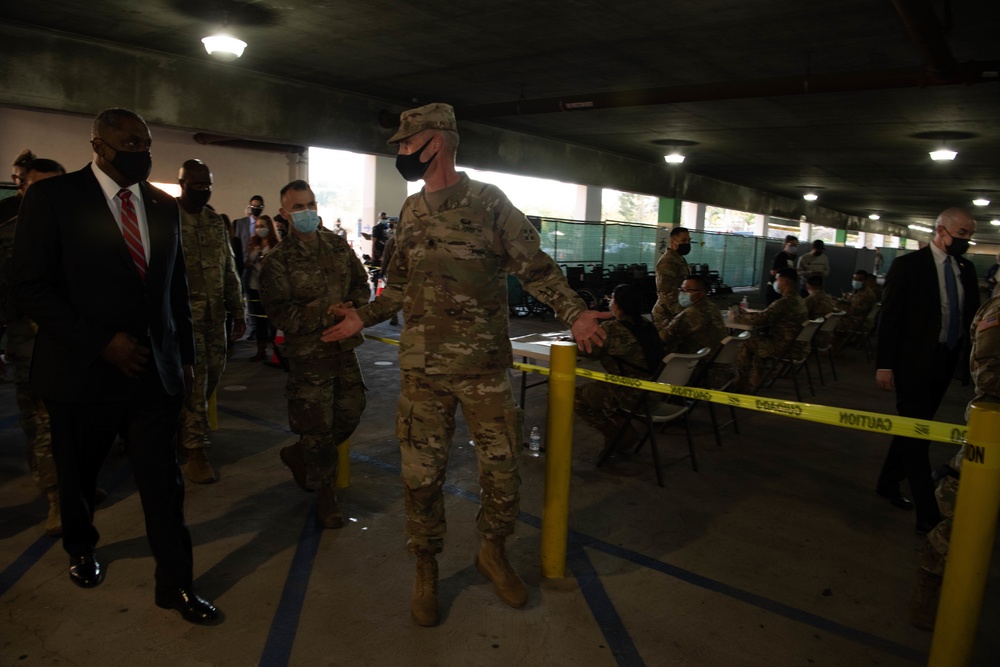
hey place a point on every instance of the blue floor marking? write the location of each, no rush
(27, 560)
(281, 637)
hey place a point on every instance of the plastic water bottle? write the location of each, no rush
(535, 443)
(745, 303)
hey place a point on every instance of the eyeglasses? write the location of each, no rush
(690, 291)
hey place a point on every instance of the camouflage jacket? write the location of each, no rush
(300, 279)
(671, 270)
(449, 275)
(859, 304)
(820, 304)
(985, 360)
(783, 318)
(697, 326)
(211, 268)
(621, 353)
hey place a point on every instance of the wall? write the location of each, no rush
(238, 173)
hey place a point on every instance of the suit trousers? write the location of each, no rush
(82, 436)
(918, 394)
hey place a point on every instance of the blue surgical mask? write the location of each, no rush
(856, 284)
(684, 299)
(775, 286)
(305, 221)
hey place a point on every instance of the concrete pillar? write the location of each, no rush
(840, 236)
(589, 203)
(298, 167)
(760, 225)
(669, 216)
(805, 229)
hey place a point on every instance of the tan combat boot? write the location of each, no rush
(922, 608)
(198, 469)
(424, 605)
(491, 561)
(53, 523)
(327, 511)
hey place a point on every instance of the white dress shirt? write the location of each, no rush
(111, 190)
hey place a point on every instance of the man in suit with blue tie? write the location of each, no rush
(930, 298)
(98, 266)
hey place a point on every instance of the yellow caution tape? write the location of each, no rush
(859, 420)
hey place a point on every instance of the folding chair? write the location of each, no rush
(829, 327)
(655, 408)
(787, 362)
(724, 356)
(866, 331)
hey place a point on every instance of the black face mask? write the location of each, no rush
(817, 252)
(410, 167)
(197, 198)
(282, 232)
(255, 211)
(683, 248)
(133, 165)
(958, 247)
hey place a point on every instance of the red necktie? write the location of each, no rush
(130, 228)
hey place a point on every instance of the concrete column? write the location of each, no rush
(298, 167)
(805, 229)
(589, 203)
(669, 216)
(760, 225)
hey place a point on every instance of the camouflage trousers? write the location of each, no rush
(597, 402)
(425, 425)
(210, 347)
(939, 538)
(326, 398)
(34, 414)
(756, 354)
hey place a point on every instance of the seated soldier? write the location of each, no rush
(698, 325)
(783, 319)
(819, 304)
(872, 281)
(857, 305)
(632, 349)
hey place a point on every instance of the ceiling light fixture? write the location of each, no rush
(673, 158)
(981, 201)
(224, 47)
(874, 216)
(943, 155)
(810, 196)
(920, 228)
(995, 222)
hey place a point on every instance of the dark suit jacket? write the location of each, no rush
(73, 275)
(910, 319)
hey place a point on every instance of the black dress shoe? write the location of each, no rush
(897, 499)
(86, 571)
(194, 608)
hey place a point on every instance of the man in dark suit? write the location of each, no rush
(930, 298)
(98, 266)
(243, 229)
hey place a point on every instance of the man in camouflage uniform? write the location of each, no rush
(456, 241)
(626, 353)
(985, 366)
(215, 290)
(783, 319)
(819, 304)
(20, 345)
(300, 278)
(857, 305)
(671, 269)
(698, 325)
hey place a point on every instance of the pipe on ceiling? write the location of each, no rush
(927, 34)
(836, 82)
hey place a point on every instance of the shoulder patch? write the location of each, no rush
(987, 323)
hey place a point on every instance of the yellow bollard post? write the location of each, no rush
(973, 531)
(558, 459)
(344, 464)
(213, 413)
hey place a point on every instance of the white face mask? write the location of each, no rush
(776, 288)
(684, 299)
(263, 233)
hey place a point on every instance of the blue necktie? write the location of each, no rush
(954, 317)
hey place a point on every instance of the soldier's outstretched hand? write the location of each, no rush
(348, 325)
(587, 329)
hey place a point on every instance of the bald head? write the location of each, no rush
(195, 179)
(953, 224)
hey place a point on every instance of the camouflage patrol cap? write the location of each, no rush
(436, 116)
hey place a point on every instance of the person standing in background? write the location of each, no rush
(261, 243)
(671, 270)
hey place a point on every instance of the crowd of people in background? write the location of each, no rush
(175, 283)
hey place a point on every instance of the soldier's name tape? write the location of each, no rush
(823, 414)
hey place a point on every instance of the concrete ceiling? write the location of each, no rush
(845, 97)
